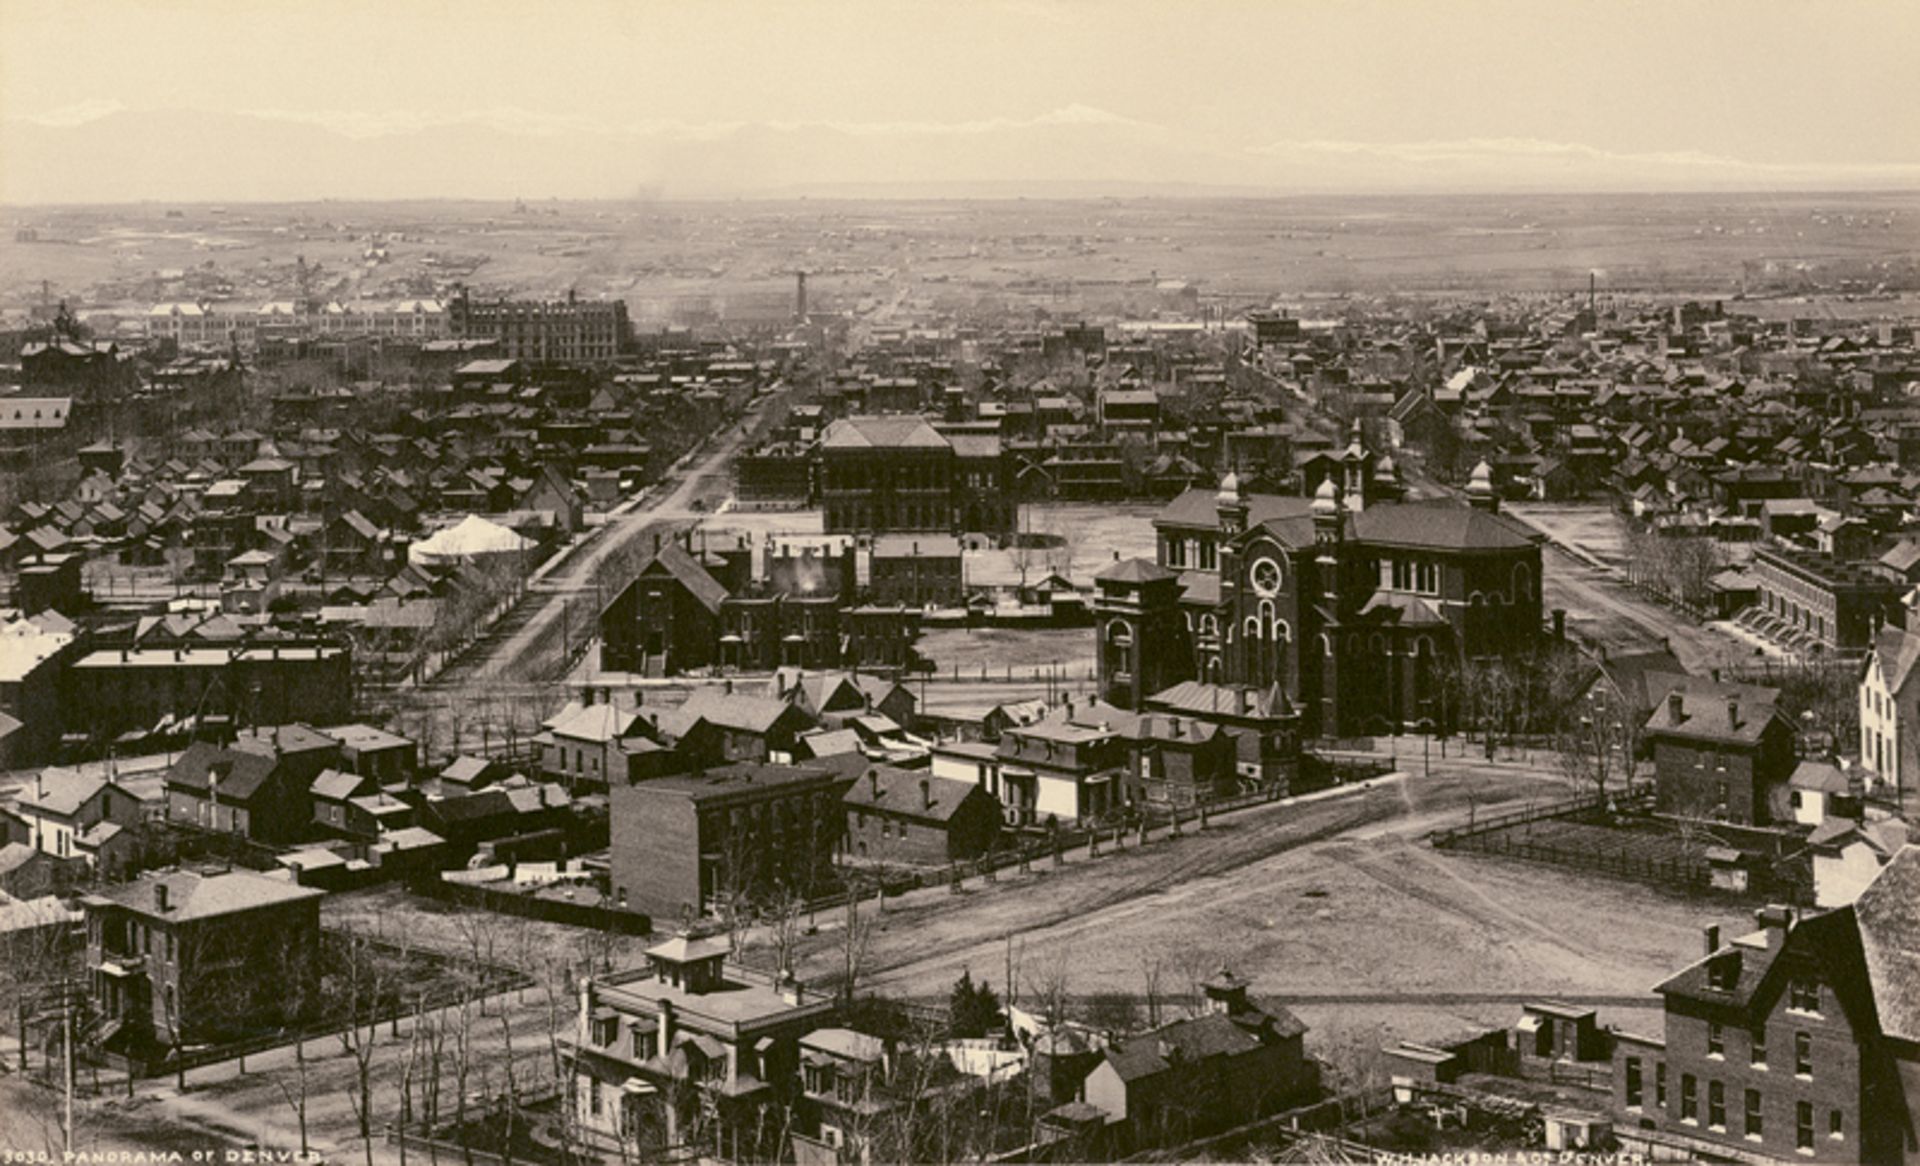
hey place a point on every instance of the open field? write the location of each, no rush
(997, 649)
(1591, 528)
(1095, 255)
(1336, 899)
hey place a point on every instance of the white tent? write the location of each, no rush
(473, 537)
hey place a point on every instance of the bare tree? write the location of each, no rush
(1597, 744)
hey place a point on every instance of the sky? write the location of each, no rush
(606, 97)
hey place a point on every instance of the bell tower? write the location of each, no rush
(1143, 646)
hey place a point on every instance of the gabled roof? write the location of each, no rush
(1705, 711)
(882, 433)
(898, 791)
(673, 561)
(1887, 914)
(1896, 651)
(59, 791)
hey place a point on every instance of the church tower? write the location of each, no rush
(1143, 645)
(1329, 519)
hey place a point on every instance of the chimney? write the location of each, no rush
(1715, 673)
(729, 686)
(1559, 623)
(1776, 921)
(1712, 936)
(160, 897)
(789, 989)
(1174, 727)
(873, 783)
(926, 794)
(1676, 707)
(1733, 712)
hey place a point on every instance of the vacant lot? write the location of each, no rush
(1338, 900)
(987, 653)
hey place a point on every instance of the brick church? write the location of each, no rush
(1351, 605)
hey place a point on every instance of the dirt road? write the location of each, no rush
(1338, 906)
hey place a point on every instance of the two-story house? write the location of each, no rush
(689, 1049)
(178, 957)
(69, 814)
(1721, 751)
(917, 817)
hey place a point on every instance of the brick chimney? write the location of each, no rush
(1676, 707)
(160, 898)
(1712, 936)
(1733, 712)
(873, 783)
(926, 794)
(1174, 727)
(1776, 921)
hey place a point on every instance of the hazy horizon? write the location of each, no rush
(115, 101)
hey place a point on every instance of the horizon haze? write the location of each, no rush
(214, 100)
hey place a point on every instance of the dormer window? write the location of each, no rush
(1803, 996)
(606, 1029)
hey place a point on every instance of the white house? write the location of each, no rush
(1815, 791)
(1848, 855)
(1890, 707)
(66, 812)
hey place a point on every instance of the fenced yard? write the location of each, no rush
(1629, 842)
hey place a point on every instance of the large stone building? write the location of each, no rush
(899, 474)
(1352, 607)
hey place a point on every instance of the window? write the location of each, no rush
(1836, 1125)
(1754, 1123)
(593, 1096)
(1660, 1084)
(1716, 1040)
(1635, 1087)
(1716, 1105)
(1803, 1054)
(604, 1030)
(643, 1045)
(1804, 996)
(1426, 578)
(1689, 1098)
(1757, 1046)
(1803, 1125)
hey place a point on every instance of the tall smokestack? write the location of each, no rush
(800, 296)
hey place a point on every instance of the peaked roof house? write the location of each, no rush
(1241, 1059)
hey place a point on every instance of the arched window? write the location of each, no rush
(1209, 626)
(1119, 634)
(1282, 631)
(1522, 583)
(1253, 627)
(1326, 645)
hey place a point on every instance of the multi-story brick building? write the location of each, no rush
(1720, 751)
(900, 475)
(569, 331)
(680, 843)
(1794, 1043)
(916, 571)
(1815, 603)
(181, 957)
(916, 817)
